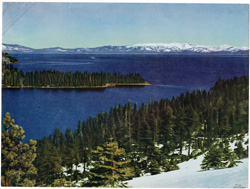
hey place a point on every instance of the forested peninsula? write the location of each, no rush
(12, 78)
(7, 59)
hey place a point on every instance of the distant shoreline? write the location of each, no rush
(79, 87)
(147, 53)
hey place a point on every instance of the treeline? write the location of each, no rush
(14, 78)
(156, 135)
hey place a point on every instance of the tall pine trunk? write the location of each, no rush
(6, 181)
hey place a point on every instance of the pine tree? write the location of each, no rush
(71, 155)
(154, 167)
(110, 167)
(153, 160)
(230, 158)
(166, 129)
(240, 151)
(193, 124)
(220, 156)
(180, 128)
(213, 159)
(48, 162)
(17, 157)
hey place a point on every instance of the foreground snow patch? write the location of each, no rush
(190, 176)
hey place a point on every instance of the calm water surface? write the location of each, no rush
(40, 111)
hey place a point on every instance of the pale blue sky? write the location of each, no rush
(72, 25)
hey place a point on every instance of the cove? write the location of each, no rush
(40, 111)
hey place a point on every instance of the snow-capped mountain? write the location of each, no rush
(16, 48)
(170, 48)
(188, 47)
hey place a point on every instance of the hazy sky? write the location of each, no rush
(72, 25)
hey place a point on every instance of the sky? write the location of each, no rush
(75, 25)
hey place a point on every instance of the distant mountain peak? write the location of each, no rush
(146, 48)
(171, 47)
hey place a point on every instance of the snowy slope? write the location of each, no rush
(190, 176)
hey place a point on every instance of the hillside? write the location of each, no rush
(190, 176)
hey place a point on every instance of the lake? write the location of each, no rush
(40, 111)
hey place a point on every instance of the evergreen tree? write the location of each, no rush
(71, 155)
(240, 151)
(110, 167)
(219, 156)
(213, 159)
(154, 167)
(48, 162)
(17, 157)
(166, 130)
(154, 160)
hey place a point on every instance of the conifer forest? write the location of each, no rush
(13, 78)
(129, 140)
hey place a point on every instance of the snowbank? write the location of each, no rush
(190, 176)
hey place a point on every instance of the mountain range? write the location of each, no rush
(150, 48)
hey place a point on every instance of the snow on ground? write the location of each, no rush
(245, 139)
(80, 168)
(190, 176)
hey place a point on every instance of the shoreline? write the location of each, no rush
(80, 87)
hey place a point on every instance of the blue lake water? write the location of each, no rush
(40, 111)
